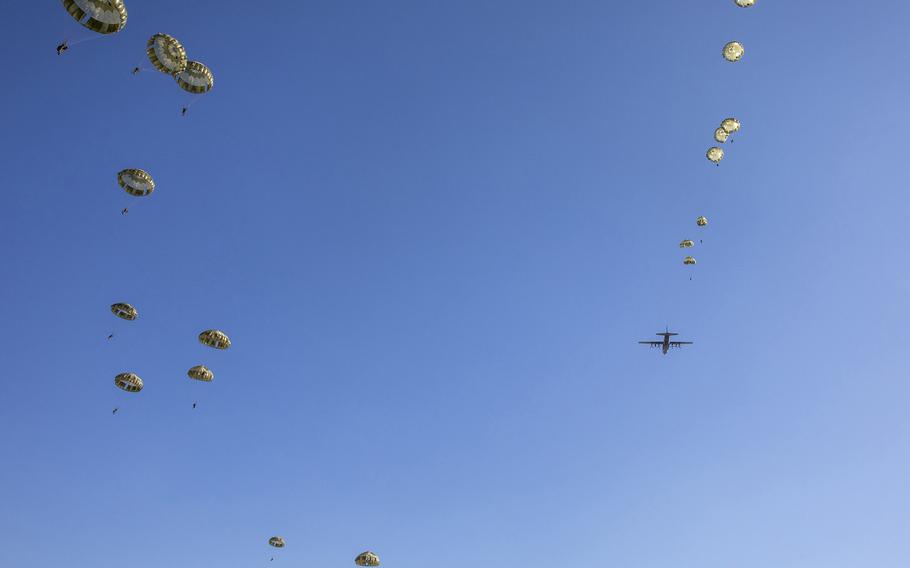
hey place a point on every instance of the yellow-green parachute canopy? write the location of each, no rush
(367, 559)
(745, 3)
(277, 542)
(102, 16)
(130, 382)
(734, 51)
(196, 78)
(721, 135)
(715, 154)
(166, 54)
(686, 244)
(136, 182)
(201, 373)
(215, 338)
(702, 221)
(125, 311)
(730, 125)
(688, 260)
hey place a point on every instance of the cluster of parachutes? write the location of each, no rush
(689, 243)
(366, 558)
(131, 382)
(733, 51)
(727, 128)
(168, 56)
(164, 51)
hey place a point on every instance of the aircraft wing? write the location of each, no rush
(652, 343)
(680, 343)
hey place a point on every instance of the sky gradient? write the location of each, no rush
(435, 232)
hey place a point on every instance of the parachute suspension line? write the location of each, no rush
(142, 67)
(185, 107)
(193, 101)
(85, 39)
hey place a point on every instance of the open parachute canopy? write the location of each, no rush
(688, 260)
(201, 373)
(136, 182)
(702, 221)
(102, 16)
(686, 244)
(196, 78)
(215, 338)
(130, 382)
(715, 154)
(277, 542)
(721, 135)
(367, 559)
(124, 311)
(166, 54)
(730, 125)
(734, 51)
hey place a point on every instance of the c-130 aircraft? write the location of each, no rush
(666, 344)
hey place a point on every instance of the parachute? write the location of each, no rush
(744, 3)
(721, 135)
(687, 244)
(702, 221)
(734, 51)
(367, 559)
(136, 182)
(124, 311)
(102, 16)
(715, 154)
(130, 382)
(277, 542)
(215, 338)
(196, 78)
(201, 373)
(688, 260)
(730, 125)
(166, 54)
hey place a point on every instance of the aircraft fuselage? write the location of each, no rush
(666, 346)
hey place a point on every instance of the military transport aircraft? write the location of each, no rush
(666, 344)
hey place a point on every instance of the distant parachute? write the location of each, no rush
(744, 3)
(136, 182)
(124, 311)
(688, 260)
(701, 221)
(277, 542)
(166, 54)
(102, 16)
(196, 78)
(201, 373)
(687, 244)
(734, 51)
(129, 382)
(715, 154)
(215, 338)
(730, 125)
(721, 135)
(367, 559)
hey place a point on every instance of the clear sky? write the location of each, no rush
(435, 232)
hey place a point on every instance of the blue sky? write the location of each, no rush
(434, 232)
